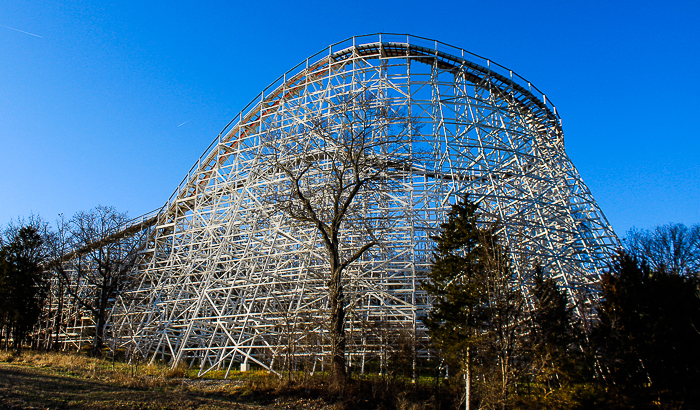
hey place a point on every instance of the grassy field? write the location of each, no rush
(71, 381)
(41, 380)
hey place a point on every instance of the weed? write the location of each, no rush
(177, 372)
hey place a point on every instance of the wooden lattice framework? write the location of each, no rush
(224, 278)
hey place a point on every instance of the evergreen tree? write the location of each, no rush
(22, 283)
(648, 333)
(5, 308)
(555, 336)
(552, 317)
(473, 321)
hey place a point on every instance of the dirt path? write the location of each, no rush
(24, 387)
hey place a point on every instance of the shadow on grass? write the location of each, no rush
(24, 387)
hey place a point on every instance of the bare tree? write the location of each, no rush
(673, 248)
(93, 262)
(323, 166)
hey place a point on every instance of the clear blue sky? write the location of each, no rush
(112, 104)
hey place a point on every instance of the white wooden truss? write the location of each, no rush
(225, 278)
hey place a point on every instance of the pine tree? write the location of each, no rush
(552, 317)
(473, 321)
(555, 335)
(648, 334)
(22, 282)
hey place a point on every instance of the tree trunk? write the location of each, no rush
(337, 331)
(468, 380)
(59, 319)
(100, 325)
(99, 333)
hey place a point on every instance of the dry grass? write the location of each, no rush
(150, 386)
(77, 365)
(74, 381)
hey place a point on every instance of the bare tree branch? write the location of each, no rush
(321, 167)
(91, 263)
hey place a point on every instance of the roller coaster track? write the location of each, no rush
(221, 273)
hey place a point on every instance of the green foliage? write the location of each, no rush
(577, 396)
(22, 283)
(552, 318)
(476, 319)
(457, 282)
(648, 335)
(557, 366)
